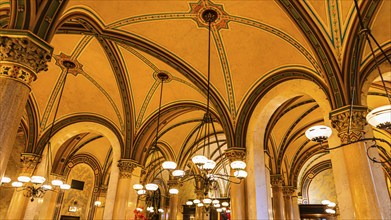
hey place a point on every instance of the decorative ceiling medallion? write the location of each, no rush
(66, 62)
(198, 9)
(162, 75)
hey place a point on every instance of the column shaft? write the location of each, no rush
(124, 187)
(23, 55)
(367, 188)
(278, 200)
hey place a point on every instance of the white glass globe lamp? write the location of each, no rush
(196, 201)
(17, 184)
(380, 117)
(151, 186)
(5, 179)
(141, 192)
(169, 165)
(189, 203)
(24, 179)
(57, 182)
(225, 204)
(65, 186)
(173, 191)
(209, 165)
(138, 186)
(238, 165)
(178, 173)
(37, 179)
(47, 187)
(240, 174)
(318, 133)
(199, 160)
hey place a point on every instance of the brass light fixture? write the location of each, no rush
(206, 137)
(150, 193)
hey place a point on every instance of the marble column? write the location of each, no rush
(173, 211)
(288, 203)
(18, 204)
(295, 205)
(22, 56)
(124, 187)
(367, 196)
(237, 191)
(278, 200)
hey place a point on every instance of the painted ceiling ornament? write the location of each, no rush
(62, 59)
(197, 9)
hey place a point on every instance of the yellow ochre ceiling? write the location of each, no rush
(251, 41)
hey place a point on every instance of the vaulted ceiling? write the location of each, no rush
(119, 46)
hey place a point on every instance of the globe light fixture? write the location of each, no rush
(169, 165)
(173, 191)
(380, 117)
(318, 133)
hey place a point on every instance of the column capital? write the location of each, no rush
(23, 55)
(126, 167)
(29, 161)
(288, 190)
(341, 119)
(276, 180)
(235, 153)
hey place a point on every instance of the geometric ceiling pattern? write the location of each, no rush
(119, 47)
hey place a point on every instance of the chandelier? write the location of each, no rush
(379, 117)
(149, 192)
(36, 186)
(206, 140)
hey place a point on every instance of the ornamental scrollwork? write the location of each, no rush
(236, 153)
(126, 168)
(349, 123)
(24, 51)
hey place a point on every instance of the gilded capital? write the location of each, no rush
(276, 180)
(23, 55)
(29, 161)
(235, 153)
(126, 167)
(288, 191)
(341, 120)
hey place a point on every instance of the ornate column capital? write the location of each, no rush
(276, 180)
(288, 191)
(23, 55)
(236, 153)
(29, 161)
(126, 167)
(341, 120)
